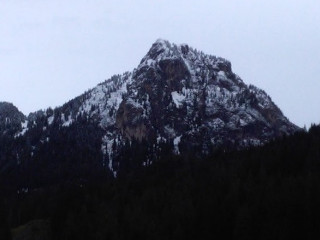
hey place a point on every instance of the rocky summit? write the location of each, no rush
(176, 95)
(182, 94)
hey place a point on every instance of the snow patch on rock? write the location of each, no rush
(178, 99)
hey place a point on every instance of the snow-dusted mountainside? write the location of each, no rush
(182, 94)
(176, 95)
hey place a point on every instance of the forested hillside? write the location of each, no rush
(268, 192)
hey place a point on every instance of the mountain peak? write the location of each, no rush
(162, 41)
(10, 118)
(180, 93)
(176, 95)
(8, 110)
(159, 48)
(6, 104)
(165, 50)
(162, 49)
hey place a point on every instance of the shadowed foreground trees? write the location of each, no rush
(269, 192)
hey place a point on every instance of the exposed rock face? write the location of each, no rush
(178, 92)
(130, 121)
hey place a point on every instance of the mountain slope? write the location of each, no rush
(182, 94)
(177, 96)
(11, 119)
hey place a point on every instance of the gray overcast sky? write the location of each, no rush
(52, 51)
